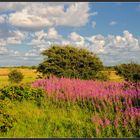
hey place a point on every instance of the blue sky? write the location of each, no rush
(109, 29)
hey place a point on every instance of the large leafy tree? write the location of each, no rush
(69, 61)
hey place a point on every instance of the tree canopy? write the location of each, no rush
(71, 62)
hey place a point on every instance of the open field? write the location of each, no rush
(30, 75)
(113, 76)
(64, 108)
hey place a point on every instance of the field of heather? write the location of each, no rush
(62, 107)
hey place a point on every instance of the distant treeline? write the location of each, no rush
(35, 67)
(23, 67)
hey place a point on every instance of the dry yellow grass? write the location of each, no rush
(29, 75)
(114, 77)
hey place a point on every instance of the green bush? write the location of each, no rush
(102, 76)
(22, 92)
(71, 62)
(6, 121)
(130, 72)
(15, 76)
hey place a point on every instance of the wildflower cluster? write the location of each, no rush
(115, 106)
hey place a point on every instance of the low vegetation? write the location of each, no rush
(130, 71)
(61, 107)
(15, 76)
(70, 95)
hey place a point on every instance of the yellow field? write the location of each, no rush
(114, 77)
(29, 75)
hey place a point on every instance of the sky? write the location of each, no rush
(111, 30)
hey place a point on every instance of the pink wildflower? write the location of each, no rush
(116, 122)
(106, 122)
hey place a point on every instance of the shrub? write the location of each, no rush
(15, 76)
(102, 76)
(22, 92)
(71, 62)
(6, 120)
(130, 72)
(33, 67)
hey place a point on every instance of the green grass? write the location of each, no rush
(49, 121)
(59, 120)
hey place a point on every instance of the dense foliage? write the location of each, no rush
(68, 61)
(15, 76)
(22, 92)
(6, 121)
(16, 93)
(130, 72)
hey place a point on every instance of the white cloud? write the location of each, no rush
(93, 24)
(132, 42)
(76, 39)
(94, 13)
(44, 39)
(53, 34)
(14, 53)
(41, 35)
(3, 49)
(31, 53)
(77, 14)
(29, 16)
(109, 45)
(97, 43)
(2, 19)
(17, 37)
(66, 42)
(2, 43)
(12, 6)
(115, 49)
(112, 23)
(25, 20)
(38, 38)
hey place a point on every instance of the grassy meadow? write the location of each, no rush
(29, 75)
(67, 108)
